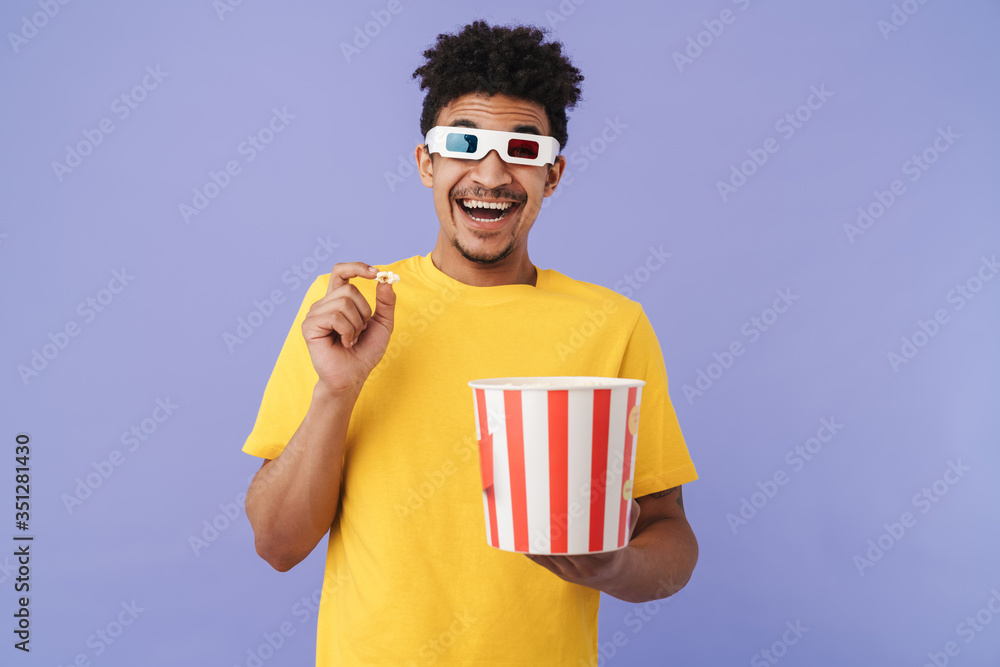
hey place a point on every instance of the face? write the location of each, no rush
(487, 235)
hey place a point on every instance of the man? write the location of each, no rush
(367, 425)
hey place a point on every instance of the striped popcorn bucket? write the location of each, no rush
(557, 458)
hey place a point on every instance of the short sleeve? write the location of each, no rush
(289, 390)
(661, 456)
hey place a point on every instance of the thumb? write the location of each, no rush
(374, 338)
(385, 305)
(634, 519)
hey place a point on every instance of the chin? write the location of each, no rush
(484, 253)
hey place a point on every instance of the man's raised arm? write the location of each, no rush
(293, 499)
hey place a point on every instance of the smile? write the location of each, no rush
(488, 211)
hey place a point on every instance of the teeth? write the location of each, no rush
(475, 203)
(505, 214)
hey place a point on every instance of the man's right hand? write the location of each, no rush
(345, 339)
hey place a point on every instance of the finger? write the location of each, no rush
(636, 509)
(346, 299)
(544, 561)
(347, 312)
(339, 316)
(341, 273)
(348, 325)
(385, 305)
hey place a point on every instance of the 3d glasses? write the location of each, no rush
(469, 143)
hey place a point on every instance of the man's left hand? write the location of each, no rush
(590, 569)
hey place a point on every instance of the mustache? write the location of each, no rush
(496, 193)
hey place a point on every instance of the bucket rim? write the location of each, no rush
(555, 382)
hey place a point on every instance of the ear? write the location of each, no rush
(425, 165)
(554, 174)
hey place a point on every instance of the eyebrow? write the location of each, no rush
(523, 129)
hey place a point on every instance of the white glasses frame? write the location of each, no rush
(487, 140)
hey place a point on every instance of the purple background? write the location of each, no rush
(680, 130)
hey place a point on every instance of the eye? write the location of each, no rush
(461, 143)
(521, 148)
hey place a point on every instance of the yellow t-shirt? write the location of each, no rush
(410, 578)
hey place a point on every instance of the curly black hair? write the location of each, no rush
(498, 59)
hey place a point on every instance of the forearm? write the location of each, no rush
(657, 562)
(292, 501)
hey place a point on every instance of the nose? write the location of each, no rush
(490, 171)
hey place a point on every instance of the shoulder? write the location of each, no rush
(592, 295)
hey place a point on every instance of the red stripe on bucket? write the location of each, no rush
(626, 470)
(491, 501)
(599, 467)
(486, 460)
(515, 455)
(559, 469)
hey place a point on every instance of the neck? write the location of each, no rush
(515, 269)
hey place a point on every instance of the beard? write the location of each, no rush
(485, 257)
